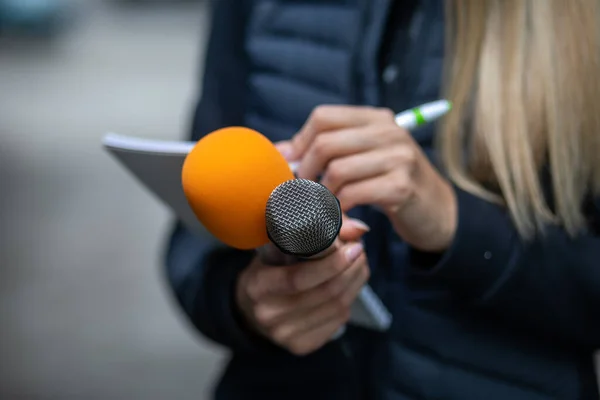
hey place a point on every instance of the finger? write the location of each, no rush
(334, 117)
(390, 190)
(295, 310)
(356, 285)
(338, 304)
(352, 229)
(302, 324)
(314, 273)
(329, 145)
(357, 167)
(270, 255)
(315, 339)
(270, 280)
(301, 277)
(319, 327)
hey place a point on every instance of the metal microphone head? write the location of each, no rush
(303, 218)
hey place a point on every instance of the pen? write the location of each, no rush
(415, 117)
(424, 114)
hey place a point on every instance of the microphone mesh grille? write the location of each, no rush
(303, 217)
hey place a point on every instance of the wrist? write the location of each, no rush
(429, 223)
(448, 218)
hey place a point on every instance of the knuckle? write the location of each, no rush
(386, 113)
(402, 189)
(399, 188)
(409, 155)
(366, 273)
(390, 133)
(281, 334)
(404, 156)
(333, 288)
(399, 193)
(342, 303)
(319, 114)
(392, 161)
(321, 146)
(289, 280)
(347, 303)
(253, 291)
(294, 282)
(412, 169)
(263, 315)
(335, 171)
(299, 348)
(384, 137)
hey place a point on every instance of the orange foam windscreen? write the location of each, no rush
(227, 179)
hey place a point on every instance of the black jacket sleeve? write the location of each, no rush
(551, 283)
(201, 271)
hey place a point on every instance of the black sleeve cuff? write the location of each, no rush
(483, 253)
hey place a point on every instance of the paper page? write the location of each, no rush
(157, 165)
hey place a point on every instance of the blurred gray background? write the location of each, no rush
(84, 310)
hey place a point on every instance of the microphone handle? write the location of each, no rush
(269, 254)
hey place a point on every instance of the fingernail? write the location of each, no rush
(354, 251)
(294, 166)
(357, 223)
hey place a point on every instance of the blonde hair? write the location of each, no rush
(524, 78)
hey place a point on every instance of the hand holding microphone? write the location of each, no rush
(228, 178)
(301, 306)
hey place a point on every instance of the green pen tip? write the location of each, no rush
(449, 105)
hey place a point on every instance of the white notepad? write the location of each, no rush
(157, 165)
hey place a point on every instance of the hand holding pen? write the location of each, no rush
(366, 156)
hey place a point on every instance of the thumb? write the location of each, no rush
(352, 229)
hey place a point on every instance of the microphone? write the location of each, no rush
(244, 192)
(303, 219)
